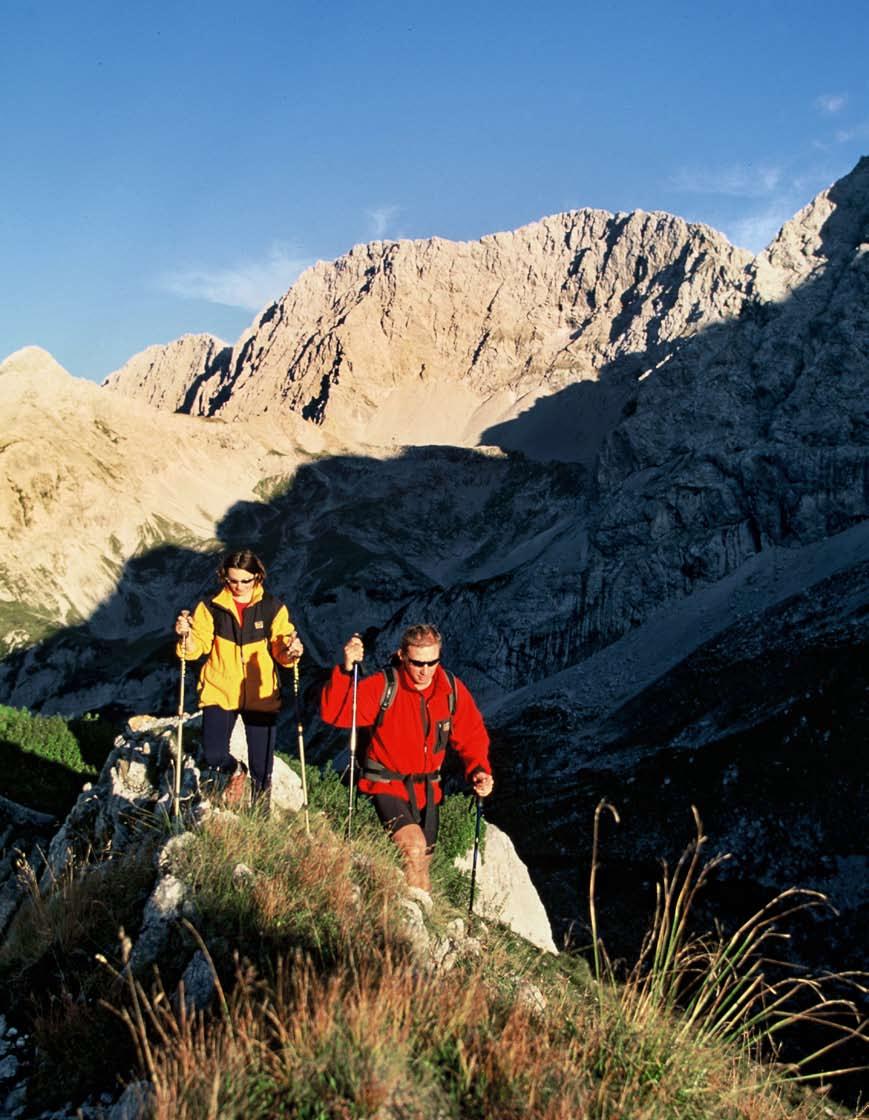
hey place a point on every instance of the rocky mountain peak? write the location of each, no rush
(415, 342)
(828, 231)
(32, 361)
(164, 375)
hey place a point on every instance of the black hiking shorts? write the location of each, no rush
(394, 813)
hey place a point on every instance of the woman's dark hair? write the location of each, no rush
(422, 635)
(244, 559)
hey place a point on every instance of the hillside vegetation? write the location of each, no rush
(332, 993)
(45, 759)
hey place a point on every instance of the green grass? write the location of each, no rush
(329, 795)
(22, 625)
(275, 486)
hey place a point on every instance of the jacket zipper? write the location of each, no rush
(237, 628)
(426, 726)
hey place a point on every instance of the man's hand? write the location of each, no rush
(483, 783)
(354, 651)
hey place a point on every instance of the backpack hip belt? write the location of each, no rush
(373, 771)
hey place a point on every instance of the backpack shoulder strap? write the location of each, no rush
(390, 685)
(452, 701)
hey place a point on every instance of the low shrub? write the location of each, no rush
(46, 759)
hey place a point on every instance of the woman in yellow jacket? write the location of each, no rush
(244, 633)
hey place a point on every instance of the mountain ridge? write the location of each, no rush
(437, 312)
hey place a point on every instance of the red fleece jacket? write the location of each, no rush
(407, 738)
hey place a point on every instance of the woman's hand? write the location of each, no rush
(183, 624)
(292, 647)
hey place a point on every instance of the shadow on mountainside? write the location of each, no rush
(37, 783)
(350, 544)
(763, 730)
(571, 426)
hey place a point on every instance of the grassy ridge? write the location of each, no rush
(326, 1007)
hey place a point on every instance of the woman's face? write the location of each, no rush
(240, 583)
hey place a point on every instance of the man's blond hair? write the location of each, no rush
(423, 634)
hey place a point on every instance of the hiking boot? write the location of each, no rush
(234, 790)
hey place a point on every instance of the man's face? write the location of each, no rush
(421, 663)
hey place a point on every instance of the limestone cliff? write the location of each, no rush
(416, 342)
(754, 434)
(165, 375)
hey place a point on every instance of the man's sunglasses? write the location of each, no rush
(422, 664)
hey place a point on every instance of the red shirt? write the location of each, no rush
(406, 741)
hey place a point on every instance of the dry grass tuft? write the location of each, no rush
(726, 992)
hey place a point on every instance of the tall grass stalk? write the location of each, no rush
(723, 990)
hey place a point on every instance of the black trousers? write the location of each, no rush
(260, 731)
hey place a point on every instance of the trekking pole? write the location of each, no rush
(179, 754)
(479, 801)
(301, 736)
(352, 748)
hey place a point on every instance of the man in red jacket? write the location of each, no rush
(428, 709)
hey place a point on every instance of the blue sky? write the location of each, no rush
(170, 168)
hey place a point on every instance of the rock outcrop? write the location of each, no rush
(165, 376)
(128, 809)
(504, 891)
(136, 782)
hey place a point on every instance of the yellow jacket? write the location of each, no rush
(240, 672)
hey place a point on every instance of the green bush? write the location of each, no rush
(458, 820)
(46, 759)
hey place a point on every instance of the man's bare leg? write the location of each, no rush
(410, 840)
